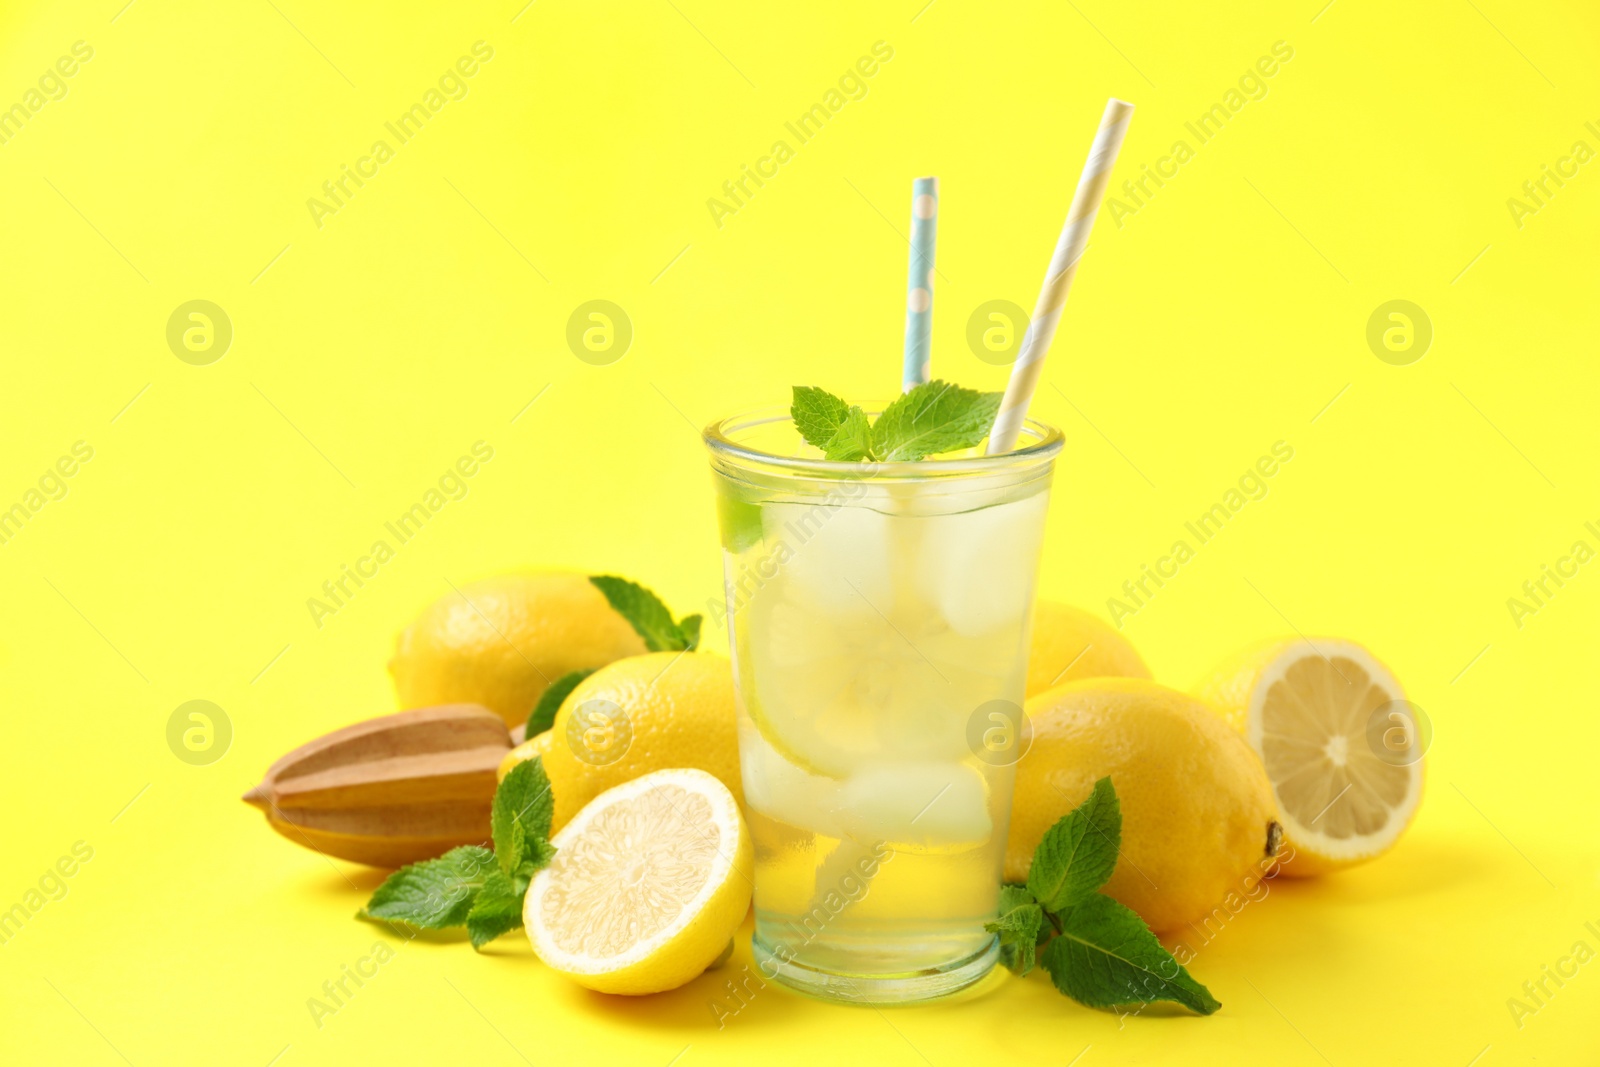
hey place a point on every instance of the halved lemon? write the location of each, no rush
(1340, 744)
(649, 882)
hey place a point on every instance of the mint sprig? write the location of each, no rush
(934, 417)
(543, 715)
(648, 616)
(1095, 950)
(471, 886)
(433, 894)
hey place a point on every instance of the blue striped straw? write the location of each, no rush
(919, 280)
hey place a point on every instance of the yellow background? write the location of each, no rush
(431, 309)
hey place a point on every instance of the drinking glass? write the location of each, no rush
(879, 617)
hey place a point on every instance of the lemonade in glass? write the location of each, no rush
(879, 619)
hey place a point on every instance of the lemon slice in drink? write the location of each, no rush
(832, 693)
(1339, 743)
(648, 884)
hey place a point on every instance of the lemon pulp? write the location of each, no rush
(1310, 718)
(648, 883)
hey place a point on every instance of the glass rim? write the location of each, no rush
(1046, 445)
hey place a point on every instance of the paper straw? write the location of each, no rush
(1058, 279)
(919, 280)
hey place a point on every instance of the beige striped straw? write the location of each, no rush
(1058, 279)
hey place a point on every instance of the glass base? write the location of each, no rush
(904, 988)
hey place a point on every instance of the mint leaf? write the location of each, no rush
(536, 857)
(1078, 853)
(1014, 899)
(497, 910)
(739, 520)
(510, 839)
(520, 816)
(1019, 925)
(689, 627)
(544, 712)
(1105, 956)
(645, 612)
(435, 893)
(817, 414)
(934, 417)
(853, 440)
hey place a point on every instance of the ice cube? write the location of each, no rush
(917, 807)
(979, 567)
(832, 559)
(780, 790)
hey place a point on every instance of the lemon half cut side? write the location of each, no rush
(1339, 743)
(648, 883)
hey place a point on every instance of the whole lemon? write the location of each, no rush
(1069, 644)
(1198, 819)
(638, 715)
(501, 641)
